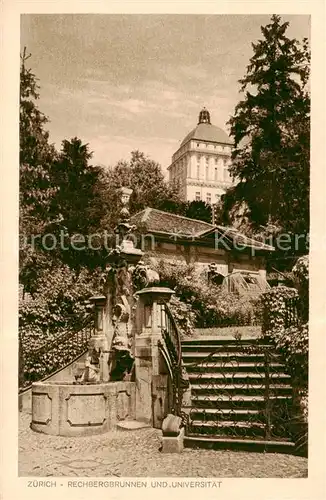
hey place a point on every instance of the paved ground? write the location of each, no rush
(136, 453)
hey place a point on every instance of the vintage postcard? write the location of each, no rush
(163, 249)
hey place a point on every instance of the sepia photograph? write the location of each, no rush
(164, 225)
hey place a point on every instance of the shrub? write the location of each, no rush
(274, 307)
(301, 275)
(183, 315)
(293, 342)
(210, 303)
(60, 304)
(61, 300)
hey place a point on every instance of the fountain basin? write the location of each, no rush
(68, 409)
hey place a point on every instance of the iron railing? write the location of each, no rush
(172, 354)
(292, 311)
(296, 311)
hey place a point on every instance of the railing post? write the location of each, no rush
(267, 395)
(99, 340)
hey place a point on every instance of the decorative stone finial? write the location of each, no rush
(125, 198)
(123, 227)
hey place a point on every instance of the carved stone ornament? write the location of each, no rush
(143, 276)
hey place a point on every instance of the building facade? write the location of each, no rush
(201, 162)
(171, 237)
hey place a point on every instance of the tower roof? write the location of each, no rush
(205, 131)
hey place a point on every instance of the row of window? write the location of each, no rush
(223, 160)
(202, 145)
(183, 168)
(213, 146)
(226, 176)
(178, 174)
(208, 197)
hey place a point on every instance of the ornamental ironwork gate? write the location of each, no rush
(238, 390)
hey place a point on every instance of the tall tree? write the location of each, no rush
(36, 153)
(150, 188)
(76, 181)
(271, 131)
(36, 190)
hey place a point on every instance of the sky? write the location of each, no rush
(125, 82)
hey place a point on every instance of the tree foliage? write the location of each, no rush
(36, 153)
(198, 210)
(36, 159)
(150, 189)
(271, 132)
(76, 182)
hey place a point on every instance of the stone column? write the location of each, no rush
(99, 339)
(147, 357)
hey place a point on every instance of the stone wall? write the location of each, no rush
(79, 410)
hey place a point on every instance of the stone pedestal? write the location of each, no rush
(173, 434)
(148, 364)
(173, 444)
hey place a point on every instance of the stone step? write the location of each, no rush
(239, 401)
(228, 428)
(247, 377)
(226, 423)
(225, 347)
(274, 389)
(223, 340)
(238, 398)
(254, 445)
(192, 357)
(204, 414)
(231, 366)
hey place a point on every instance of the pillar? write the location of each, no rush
(148, 363)
(99, 339)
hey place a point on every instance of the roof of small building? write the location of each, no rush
(167, 222)
(170, 224)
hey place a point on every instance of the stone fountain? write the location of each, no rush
(106, 391)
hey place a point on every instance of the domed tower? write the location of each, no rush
(201, 163)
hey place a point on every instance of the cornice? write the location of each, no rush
(210, 184)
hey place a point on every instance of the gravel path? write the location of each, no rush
(136, 454)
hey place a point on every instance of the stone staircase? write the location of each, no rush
(241, 395)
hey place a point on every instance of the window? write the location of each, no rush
(197, 196)
(208, 198)
(197, 144)
(215, 174)
(226, 171)
(189, 169)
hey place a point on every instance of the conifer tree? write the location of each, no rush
(271, 132)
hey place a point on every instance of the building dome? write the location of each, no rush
(205, 131)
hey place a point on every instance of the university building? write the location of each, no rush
(201, 162)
